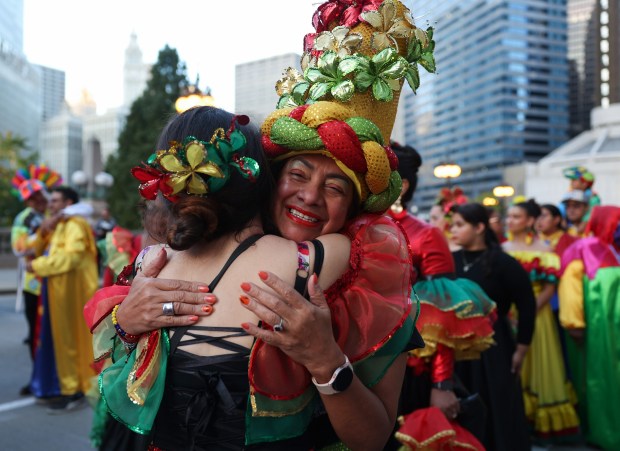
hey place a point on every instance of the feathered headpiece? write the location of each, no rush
(26, 182)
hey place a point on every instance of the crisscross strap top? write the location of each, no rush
(228, 332)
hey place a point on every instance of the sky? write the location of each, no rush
(87, 39)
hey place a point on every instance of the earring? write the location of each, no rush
(397, 206)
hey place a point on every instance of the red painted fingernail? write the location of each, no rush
(203, 289)
(246, 326)
(263, 275)
(193, 318)
(207, 308)
(210, 298)
(246, 286)
(244, 299)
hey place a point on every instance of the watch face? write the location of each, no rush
(343, 380)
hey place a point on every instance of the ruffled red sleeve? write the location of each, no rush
(369, 304)
(371, 300)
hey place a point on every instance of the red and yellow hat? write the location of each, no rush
(345, 102)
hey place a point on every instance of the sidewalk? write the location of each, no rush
(8, 280)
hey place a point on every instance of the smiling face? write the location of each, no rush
(313, 198)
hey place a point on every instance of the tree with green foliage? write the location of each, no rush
(138, 139)
(12, 149)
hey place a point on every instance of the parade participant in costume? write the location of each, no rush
(441, 212)
(546, 390)
(590, 311)
(67, 260)
(550, 230)
(311, 134)
(496, 375)
(496, 222)
(575, 205)
(119, 248)
(582, 180)
(31, 187)
(455, 321)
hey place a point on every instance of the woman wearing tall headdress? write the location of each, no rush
(589, 295)
(547, 391)
(455, 320)
(368, 307)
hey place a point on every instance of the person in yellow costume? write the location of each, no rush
(67, 260)
(547, 394)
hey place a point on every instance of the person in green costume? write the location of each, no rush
(589, 295)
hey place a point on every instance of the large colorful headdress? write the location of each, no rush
(39, 177)
(580, 173)
(196, 167)
(354, 67)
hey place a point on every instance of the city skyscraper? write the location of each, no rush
(255, 93)
(20, 82)
(500, 94)
(594, 58)
(52, 91)
(135, 72)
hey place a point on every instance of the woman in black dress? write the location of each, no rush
(496, 375)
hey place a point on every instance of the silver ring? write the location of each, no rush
(280, 326)
(168, 309)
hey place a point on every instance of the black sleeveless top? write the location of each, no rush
(205, 400)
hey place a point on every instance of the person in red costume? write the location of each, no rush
(455, 320)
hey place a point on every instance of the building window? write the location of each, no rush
(604, 46)
(605, 74)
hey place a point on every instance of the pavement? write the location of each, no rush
(8, 280)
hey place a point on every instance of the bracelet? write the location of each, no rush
(124, 336)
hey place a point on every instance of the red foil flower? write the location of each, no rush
(151, 181)
(342, 12)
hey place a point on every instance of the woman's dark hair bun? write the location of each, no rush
(194, 219)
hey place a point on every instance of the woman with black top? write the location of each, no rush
(496, 375)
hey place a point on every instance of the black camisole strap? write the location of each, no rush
(243, 246)
(301, 280)
(319, 254)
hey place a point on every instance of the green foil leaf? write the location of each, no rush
(382, 91)
(343, 91)
(319, 90)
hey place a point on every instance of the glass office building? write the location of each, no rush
(500, 94)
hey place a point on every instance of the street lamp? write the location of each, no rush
(490, 201)
(102, 180)
(192, 96)
(503, 190)
(447, 170)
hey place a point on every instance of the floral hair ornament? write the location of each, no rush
(197, 167)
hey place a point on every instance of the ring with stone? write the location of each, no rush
(280, 326)
(168, 309)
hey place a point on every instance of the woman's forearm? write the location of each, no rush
(364, 418)
(545, 295)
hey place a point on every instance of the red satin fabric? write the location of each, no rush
(442, 364)
(431, 254)
(430, 429)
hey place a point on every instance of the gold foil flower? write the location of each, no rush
(188, 176)
(286, 84)
(338, 40)
(388, 26)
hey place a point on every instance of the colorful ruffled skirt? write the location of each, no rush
(547, 393)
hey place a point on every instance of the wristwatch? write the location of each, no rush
(446, 385)
(340, 381)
